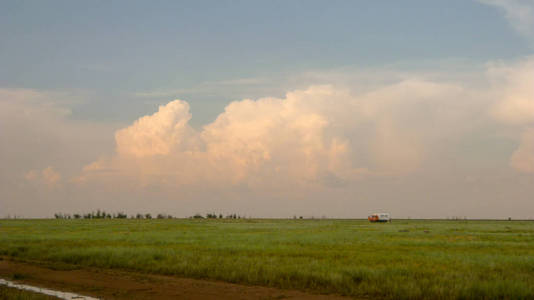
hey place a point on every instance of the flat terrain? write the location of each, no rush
(399, 260)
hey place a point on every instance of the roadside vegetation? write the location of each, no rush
(406, 259)
(7, 293)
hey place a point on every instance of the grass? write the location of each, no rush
(16, 294)
(401, 260)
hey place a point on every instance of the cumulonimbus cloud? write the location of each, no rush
(319, 136)
(260, 142)
(322, 140)
(516, 108)
(322, 136)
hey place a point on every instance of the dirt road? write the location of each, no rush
(113, 284)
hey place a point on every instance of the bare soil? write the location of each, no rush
(115, 284)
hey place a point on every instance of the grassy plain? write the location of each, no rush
(401, 260)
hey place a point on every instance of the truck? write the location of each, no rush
(379, 217)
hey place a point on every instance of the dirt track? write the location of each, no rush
(112, 284)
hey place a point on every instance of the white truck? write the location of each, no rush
(379, 217)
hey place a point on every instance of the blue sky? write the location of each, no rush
(108, 51)
(268, 108)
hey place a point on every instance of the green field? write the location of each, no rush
(399, 260)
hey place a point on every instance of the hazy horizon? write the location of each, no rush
(268, 109)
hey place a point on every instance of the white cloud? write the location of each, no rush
(520, 14)
(159, 133)
(48, 176)
(523, 157)
(37, 134)
(322, 135)
(397, 138)
(515, 86)
(253, 142)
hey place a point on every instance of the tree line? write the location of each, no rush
(106, 215)
(101, 214)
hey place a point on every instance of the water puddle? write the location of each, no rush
(59, 294)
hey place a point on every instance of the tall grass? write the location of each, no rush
(402, 260)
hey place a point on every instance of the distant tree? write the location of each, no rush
(76, 216)
(148, 216)
(139, 216)
(161, 216)
(121, 215)
(198, 216)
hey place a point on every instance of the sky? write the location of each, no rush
(423, 109)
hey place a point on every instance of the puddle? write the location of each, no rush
(59, 294)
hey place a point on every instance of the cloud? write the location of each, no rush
(402, 139)
(37, 133)
(523, 158)
(520, 14)
(268, 141)
(48, 176)
(406, 145)
(320, 136)
(515, 88)
(159, 133)
(399, 139)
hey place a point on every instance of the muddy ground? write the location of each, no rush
(114, 284)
